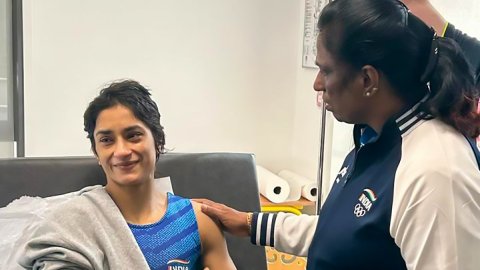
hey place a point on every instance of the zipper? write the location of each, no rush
(354, 163)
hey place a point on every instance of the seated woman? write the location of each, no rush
(128, 224)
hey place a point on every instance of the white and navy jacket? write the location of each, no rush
(406, 199)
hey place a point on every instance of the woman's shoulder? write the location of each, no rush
(78, 206)
(67, 232)
(172, 198)
(434, 139)
(434, 155)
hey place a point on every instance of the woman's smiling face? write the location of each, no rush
(125, 147)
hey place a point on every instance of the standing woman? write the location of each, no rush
(408, 194)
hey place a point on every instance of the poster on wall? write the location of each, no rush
(310, 31)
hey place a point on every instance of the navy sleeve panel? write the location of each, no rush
(470, 47)
(475, 149)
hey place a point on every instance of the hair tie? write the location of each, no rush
(406, 13)
(432, 61)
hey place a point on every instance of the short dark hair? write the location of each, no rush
(383, 34)
(134, 96)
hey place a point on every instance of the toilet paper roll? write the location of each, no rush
(309, 191)
(271, 186)
(295, 186)
(307, 188)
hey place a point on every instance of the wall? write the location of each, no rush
(307, 117)
(222, 72)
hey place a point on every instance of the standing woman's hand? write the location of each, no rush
(231, 220)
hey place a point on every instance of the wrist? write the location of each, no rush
(444, 31)
(428, 14)
(249, 223)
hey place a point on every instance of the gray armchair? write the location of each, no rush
(228, 178)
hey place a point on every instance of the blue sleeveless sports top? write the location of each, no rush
(173, 242)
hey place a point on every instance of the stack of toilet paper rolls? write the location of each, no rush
(286, 186)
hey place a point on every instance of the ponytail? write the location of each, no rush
(453, 95)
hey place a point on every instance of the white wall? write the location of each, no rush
(222, 72)
(307, 116)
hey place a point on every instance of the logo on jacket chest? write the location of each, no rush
(178, 264)
(341, 174)
(365, 203)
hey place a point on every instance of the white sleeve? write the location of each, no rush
(436, 219)
(288, 233)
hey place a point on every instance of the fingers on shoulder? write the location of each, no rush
(211, 236)
(208, 202)
(204, 221)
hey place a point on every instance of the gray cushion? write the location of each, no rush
(227, 178)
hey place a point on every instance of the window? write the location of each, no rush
(11, 80)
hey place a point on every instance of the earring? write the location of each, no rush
(369, 93)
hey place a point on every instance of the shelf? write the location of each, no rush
(302, 202)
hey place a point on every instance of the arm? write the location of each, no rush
(291, 234)
(46, 250)
(470, 46)
(424, 10)
(286, 232)
(214, 248)
(435, 221)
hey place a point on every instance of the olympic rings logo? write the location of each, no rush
(359, 211)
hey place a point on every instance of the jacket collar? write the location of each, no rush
(411, 118)
(401, 124)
